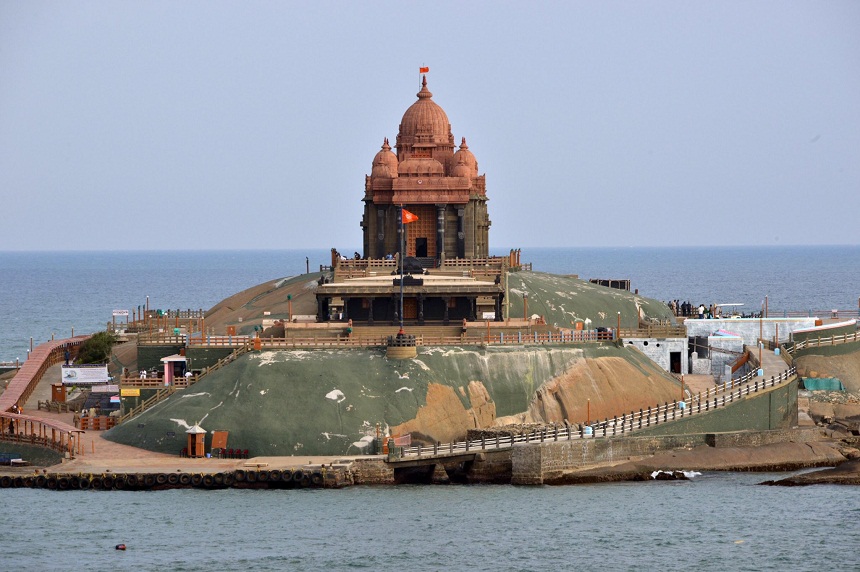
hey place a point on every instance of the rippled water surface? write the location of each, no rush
(718, 521)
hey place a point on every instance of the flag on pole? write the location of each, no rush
(409, 217)
(424, 70)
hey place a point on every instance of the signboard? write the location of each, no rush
(84, 374)
(120, 312)
(488, 316)
(105, 388)
(130, 392)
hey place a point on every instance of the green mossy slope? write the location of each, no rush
(562, 300)
(322, 402)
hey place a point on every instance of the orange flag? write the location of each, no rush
(423, 70)
(409, 217)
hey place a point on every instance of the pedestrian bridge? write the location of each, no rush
(28, 429)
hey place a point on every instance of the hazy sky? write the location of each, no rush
(213, 125)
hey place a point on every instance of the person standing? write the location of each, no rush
(701, 311)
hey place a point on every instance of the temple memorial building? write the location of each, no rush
(431, 179)
(450, 276)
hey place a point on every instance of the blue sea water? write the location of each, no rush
(45, 293)
(718, 521)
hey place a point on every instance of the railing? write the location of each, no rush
(703, 402)
(832, 314)
(179, 383)
(654, 331)
(351, 341)
(31, 371)
(160, 338)
(60, 437)
(828, 341)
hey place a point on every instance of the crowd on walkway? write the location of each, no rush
(690, 310)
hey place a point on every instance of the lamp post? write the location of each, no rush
(760, 335)
(525, 305)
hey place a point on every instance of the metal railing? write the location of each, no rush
(703, 402)
(828, 341)
(179, 383)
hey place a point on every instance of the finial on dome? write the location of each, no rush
(463, 144)
(385, 145)
(424, 93)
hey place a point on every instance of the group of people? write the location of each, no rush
(688, 310)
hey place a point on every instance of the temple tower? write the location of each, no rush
(430, 179)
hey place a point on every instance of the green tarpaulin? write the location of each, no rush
(823, 384)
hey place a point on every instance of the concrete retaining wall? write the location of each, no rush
(198, 358)
(658, 350)
(748, 328)
(765, 418)
(149, 357)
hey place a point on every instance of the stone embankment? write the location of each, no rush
(330, 476)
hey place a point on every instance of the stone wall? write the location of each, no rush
(372, 471)
(491, 467)
(748, 328)
(765, 418)
(719, 359)
(658, 350)
(149, 357)
(199, 358)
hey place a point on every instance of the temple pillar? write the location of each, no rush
(498, 307)
(346, 309)
(369, 311)
(461, 233)
(380, 234)
(395, 303)
(440, 233)
(420, 309)
(445, 320)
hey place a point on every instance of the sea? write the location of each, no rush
(714, 521)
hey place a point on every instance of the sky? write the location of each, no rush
(251, 125)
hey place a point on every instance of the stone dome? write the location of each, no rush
(384, 163)
(420, 166)
(463, 162)
(425, 121)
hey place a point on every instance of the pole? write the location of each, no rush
(401, 229)
(588, 413)
(682, 387)
(760, 334)
(307, 265)
(765, 306)
(618, 329)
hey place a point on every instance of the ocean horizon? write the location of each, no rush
(49, 293)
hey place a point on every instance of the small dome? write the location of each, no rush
(464, 162)
(420, 166)
(426, 119)
(385, 163)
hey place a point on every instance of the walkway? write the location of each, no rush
(33, 429)
(776, 372)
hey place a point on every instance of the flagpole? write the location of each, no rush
(402, 228)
